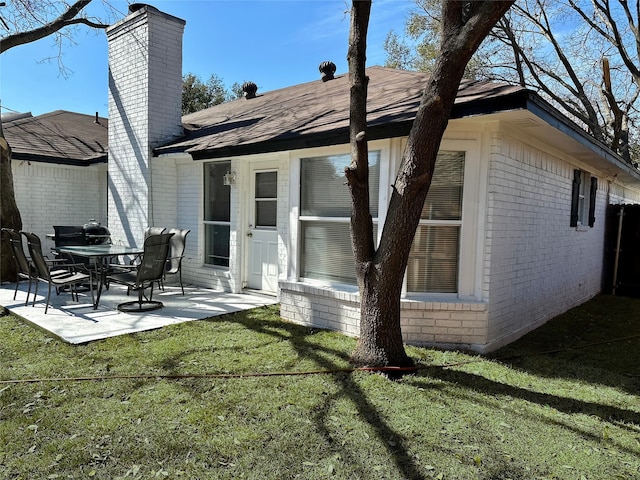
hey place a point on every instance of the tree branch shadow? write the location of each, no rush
(300, 338)
(622, 418)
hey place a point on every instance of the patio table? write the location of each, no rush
(98, 254)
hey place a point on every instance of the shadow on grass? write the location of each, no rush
(573, 335)
(299, 337)
(597, 342)
(623, 418)
(566, 405)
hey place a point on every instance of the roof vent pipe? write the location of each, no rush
(249, 90)
(327, 69)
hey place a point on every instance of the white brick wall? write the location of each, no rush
(445, 323)
(145, 88)
(177, 203)
(50, 194)
(536, 265)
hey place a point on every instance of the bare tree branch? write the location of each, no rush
(66, 19)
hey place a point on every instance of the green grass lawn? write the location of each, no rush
(162, 407)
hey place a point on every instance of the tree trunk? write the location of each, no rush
(381, 272)
(380, 342)
(9, 213)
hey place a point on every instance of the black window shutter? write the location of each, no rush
(575, 197)
(592, 201)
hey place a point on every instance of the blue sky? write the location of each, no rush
(273, 43)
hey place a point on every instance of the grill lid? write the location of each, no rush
(95, 233)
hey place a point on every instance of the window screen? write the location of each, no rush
(433, 261)
(325, 240)
(217, 214)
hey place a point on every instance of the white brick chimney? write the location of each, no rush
(145, 103)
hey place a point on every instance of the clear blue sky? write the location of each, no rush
(273, 43)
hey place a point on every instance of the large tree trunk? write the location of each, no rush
(381, 272)
(380, 341)
(9, 213)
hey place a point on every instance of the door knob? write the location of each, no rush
(249, 234)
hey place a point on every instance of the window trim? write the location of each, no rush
(344, 220)
(583, 199)
(444, 223)
(471, 273)
(257, 200)
(472, 240)
(205, 223)
(295, 220)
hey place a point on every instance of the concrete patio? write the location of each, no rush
(77, 322)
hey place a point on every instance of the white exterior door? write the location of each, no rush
(262, 233)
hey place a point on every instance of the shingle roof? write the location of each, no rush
(317, 114)
(58, 137)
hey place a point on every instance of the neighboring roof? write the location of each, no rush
(317, 114)
(58, 137)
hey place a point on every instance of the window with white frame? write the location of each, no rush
(217, 214)
(325, 209)
(266, 198)
(325, 206)
(583, 199)
(434, 258)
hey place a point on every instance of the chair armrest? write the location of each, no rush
(120, 268)
(71, 267)
(55, 260)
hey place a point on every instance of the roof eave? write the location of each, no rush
(521, 99)
(75, 162)
(543, 110)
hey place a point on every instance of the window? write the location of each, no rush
(266, 197)
(325, 210)
(583, 199)
(433, 261)
(217, 213)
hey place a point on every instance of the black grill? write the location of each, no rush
(91, 233)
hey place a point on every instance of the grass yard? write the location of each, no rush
(156, 404)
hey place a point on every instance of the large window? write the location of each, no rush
(325, 209)
(217, 212)
(433, 261)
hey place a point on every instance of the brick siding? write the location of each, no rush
(49, 194)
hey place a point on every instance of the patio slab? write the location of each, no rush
(77, 322)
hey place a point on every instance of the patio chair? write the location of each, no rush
(153, 231)
(24, 270)
(45, 272)
(147, 232)
(149, 271)
(176, 253)
(70, 235)
(65, 235)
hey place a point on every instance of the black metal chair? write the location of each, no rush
(44, 272)
(150, 270)
(176, 253)
(148, 232)
(65, 235)
(24, 270)
(71, 235)
(154, 231)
